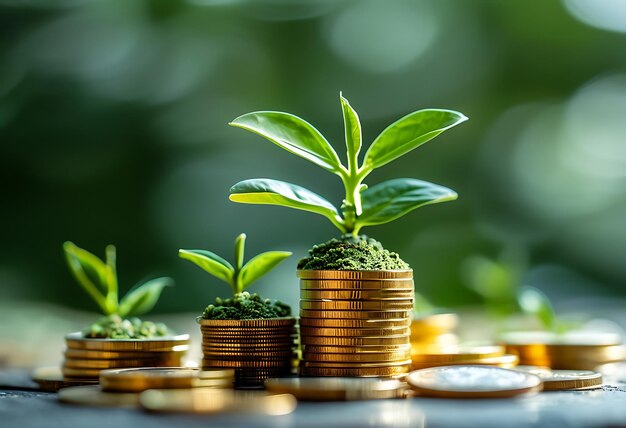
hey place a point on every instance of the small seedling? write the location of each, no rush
(99, 279)
(362, 206)
(239, 277)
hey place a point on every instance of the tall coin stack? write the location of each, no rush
(85, 357)
(355, 323)
(257, 349)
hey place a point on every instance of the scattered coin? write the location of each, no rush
(211, 401)
(141, 379)
(558, 380)
(506, 361)
(336, 388)
(472, 382)
(50, 379)
(94, 396)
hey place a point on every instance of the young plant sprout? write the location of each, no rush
(99, 279)
(362, 206)
(240, 276)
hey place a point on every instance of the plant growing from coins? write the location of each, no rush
(239, 276)
(99, 279)
(362, 205)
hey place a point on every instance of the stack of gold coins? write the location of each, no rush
(257, 349)
(433, 330)
(569, 351)
(85, 357)
(485, 355)
(355, 323)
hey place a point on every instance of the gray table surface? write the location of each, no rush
(21, 405)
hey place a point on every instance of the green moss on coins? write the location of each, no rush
(116, 327)
(352, 253)
(245, 306)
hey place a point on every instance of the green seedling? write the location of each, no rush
(362, 206)
(99, 279)
(240, 276)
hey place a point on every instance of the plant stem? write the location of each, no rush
(352, 207)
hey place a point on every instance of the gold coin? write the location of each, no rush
(434, 324)
(242, 340)
(556, 380)
(457, 353)
(354, 365)
(206, 401)
(536, 370)
(261, 322)
(247, 330)
(71, 373)
(353, 323)
(358, 372)
(355, 341)
(361, 315)
(357, 305)
(358, 357)
(112, 355)
(339, 284)
(141, 379)
(243, 348)
(472, 382)
(369, 349)
(356, 274)
(74, 363)
(250, 356)
(50, 379)
(94, 396)
(357, 294)
(506, 361)
(246, 363)
(351, 332)
(439, 340)
(336, 388)
(248, 336)
(170, 343)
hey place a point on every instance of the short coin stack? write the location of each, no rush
(257, 349)
(86, 357)
(433, 330)
(571, 351)
(456, 355)
(355, 323)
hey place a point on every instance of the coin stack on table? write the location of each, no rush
(257, 349)
(571, 351)
(86, 357)
(433, 330)
(355, 323)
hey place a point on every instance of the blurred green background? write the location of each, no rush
(113, 129)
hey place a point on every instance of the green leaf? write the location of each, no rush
(409, 133)
(292, 134)
(352, 128)
(532, 301)
(240, 247)
(275, 192)
(260, 265)
(391, 199)
(91, 273)
(143, 298)
(210, 262)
